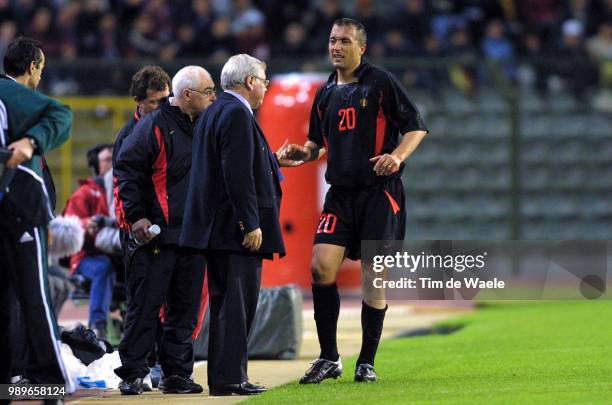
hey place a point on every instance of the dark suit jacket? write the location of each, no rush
(234, 185)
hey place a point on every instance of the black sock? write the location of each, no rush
(326, 311)
(372, 320)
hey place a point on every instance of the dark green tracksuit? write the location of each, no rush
(24, 214)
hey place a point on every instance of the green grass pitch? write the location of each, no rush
(512, 353)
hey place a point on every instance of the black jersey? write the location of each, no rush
(360, 120)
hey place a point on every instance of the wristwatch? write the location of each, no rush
(33, 142)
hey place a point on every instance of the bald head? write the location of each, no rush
(193, 89)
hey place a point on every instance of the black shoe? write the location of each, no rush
(322, 369)
(365, 373)
(245, 388)
(176, 384)
(131, 387)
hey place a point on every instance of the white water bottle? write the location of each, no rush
(153, 229)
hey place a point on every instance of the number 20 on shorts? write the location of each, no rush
(327, 223)
(347, 118)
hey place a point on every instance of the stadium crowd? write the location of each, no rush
(500, 30)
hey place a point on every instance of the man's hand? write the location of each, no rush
(22, 151)
(140, 230)
(284, 162)
(386, 164)
(296, 153)
(252, 240)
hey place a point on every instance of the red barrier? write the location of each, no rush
(284, 115)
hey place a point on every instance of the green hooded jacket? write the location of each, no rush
(27, 113)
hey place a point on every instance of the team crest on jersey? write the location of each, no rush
(363, 102)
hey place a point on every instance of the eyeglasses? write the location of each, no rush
(264, 81)
(209, 91)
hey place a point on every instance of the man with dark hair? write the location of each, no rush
(30, 125)
(150, 85)
(358, 115)
(88, 203)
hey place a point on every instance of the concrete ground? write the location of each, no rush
(401, 318)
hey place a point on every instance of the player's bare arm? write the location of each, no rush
(389, 163)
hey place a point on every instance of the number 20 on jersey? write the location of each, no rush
(347, 118)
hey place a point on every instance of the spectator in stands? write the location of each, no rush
(159, 11)
(542, 16)
(7, 11)
(295, 42)
(143, 37)
(66, 18)
(42, 28)
(203, 18)
(223, 43)
(248, 27)
(108, 41)
(8, 31)
(244, 16)
(319, 20)
(587, 12)
(89, 203)
(572, 61)
(414, 19)
(365, 12)
(464, 73)
(88, 20)
(497, 47)
(599, 48)
(199, 13)
(283, 13)
(396, 44)
(536, 69)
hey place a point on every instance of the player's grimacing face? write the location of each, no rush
(344, 48)
(153, 100)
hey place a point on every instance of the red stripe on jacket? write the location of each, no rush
(119, 210)
(160, 169)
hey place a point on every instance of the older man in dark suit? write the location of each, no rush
(231, 215)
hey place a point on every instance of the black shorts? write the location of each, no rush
(352, 215)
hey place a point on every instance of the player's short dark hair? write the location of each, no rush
(92, 156)
(362, 35)
(20, 53)
(149, 78)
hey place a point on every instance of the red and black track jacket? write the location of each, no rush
(121, 136)
(152, 170)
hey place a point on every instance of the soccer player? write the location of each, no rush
(358, 117)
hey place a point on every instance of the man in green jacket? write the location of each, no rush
(30, 125)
